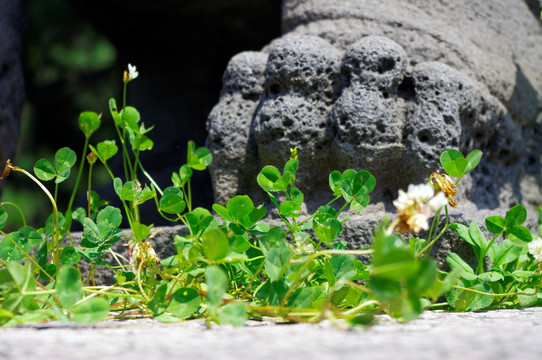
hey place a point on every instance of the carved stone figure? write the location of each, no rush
(386, 87)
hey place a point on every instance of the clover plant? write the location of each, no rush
(236, 262)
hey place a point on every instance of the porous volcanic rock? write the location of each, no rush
(386, 87)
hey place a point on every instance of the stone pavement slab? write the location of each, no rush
(503, 334)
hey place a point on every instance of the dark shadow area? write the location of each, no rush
(75, 53)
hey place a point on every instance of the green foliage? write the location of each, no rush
(503, 285)
(89, 122)
(456, 165)
(234, 266)
(64, 160)
(69, 287)
(91, 311)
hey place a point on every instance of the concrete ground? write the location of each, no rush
(503, 334)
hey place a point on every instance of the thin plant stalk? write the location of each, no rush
(79, 174)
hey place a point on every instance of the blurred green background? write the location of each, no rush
(74, 56)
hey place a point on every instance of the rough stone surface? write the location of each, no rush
(231, 119)
(12, 24)
(504, 334)
(386, 87)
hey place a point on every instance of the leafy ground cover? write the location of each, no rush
(233, 265)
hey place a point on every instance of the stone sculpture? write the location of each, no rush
(386, 87)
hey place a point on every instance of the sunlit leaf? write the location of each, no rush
(65, 158)
(130, 117)
(217, 284)
(240, 206)
(141, 232)
(307, 298)
(519, 235)
(454, 261)
(495, 224)
(291, 166)
(470, 301)
(69, 256)
(44, 170)
(108, 219)
(515, 216)
(276, 262)
(199, 158)
(89, 122)
(185, 173)
(11, 246)
(425, 278)
(172, 201)
(339, 268)
(114, 112)
(184, 303)
(223, 212)
(335, 181)
(234, 314)
(69, 287)
(216, 245)
(504, 253)
(397, 264)
(363, 183)
(107, 149)
(91, 311)
(473, 159)
(290, 208)
(453, 162)
(31, 235)
(328, 230)
(3, 217)
(198, 220)
(270, 179)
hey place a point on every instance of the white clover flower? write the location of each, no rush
(404, 201)
(437, 201)
(416, 205)
(417, 194)
(535, 249)
(132, 72)
(417, 222)
(444, 183)
(142, 252)
(421, 192)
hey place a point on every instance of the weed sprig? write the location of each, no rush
(233, 265)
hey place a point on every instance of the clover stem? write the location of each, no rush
(56, 249)
(343, 207)
(89, 187)
(480, 266)
(491, 294)
(429, 246)
(124, 93)
(189, 195)
(392, 226)
(432, 230)
(28, 256)
(125, 156)
(136, 163)
(18, 209)
(149, 177)
(79, 174)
